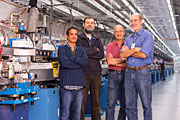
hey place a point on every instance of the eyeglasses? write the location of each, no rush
(118, 31)
(89, 22)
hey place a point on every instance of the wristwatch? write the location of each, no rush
(123, 59)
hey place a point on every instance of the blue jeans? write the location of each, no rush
(115, 83)
(71, 101)
(138, 82)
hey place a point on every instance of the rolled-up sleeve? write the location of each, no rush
(148, 44)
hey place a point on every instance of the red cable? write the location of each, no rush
(1, 50)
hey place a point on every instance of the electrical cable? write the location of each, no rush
(11, 3)
(4, 35)
(1, 50)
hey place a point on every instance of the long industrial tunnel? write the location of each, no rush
(89, 59)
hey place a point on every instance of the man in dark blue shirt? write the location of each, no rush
(138, 50)
(71, 59)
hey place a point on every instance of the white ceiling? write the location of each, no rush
(110, 12)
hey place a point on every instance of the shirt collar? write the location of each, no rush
(139, 32)
(115, 43)
(70, 46)
(84, 35)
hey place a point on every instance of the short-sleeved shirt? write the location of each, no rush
(143, 39)
(114, 49)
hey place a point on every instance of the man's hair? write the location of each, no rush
(89, 17)
(67, 32)
(140, 16)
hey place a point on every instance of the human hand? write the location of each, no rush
(124, 59)
(110, 55)
(98, 49)
(125, 48)
(137, 48)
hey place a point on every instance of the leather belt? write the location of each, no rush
(137, 68)
(117, 71)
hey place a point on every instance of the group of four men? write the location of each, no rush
(80, 72)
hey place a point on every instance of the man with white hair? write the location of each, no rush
(138, 50)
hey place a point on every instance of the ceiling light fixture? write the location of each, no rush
(107, 4)
(129, 6)
(119, 14)
(173, 20)
(116, 4)
(108, 13)
(155, 34)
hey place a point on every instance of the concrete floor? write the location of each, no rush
(165, 102)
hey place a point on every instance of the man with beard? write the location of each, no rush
(95, 51)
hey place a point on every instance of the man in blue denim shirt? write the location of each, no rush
(138, 50)
(72, 81)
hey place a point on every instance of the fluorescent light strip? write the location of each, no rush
(112, 8)
(173, 19)
(125, 2)
(108, 13)
(119, 14)
(126, 20)
(119, 7)
(116, 4)
(132, 9)
(151, 25)
(129, 6)
(107, 4)
(126, 13)
(162, 50)
(158, 38)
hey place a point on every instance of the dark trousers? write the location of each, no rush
(93, 85)
(163, 74)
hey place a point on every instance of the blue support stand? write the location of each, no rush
(158, 73)
(47, 107)
(103, 99)
(7, 112)
(153, 76)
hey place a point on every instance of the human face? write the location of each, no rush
(136, 23)
(72, 36)
(89, 25)
(119, 32)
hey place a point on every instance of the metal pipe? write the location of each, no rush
(50, 22)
